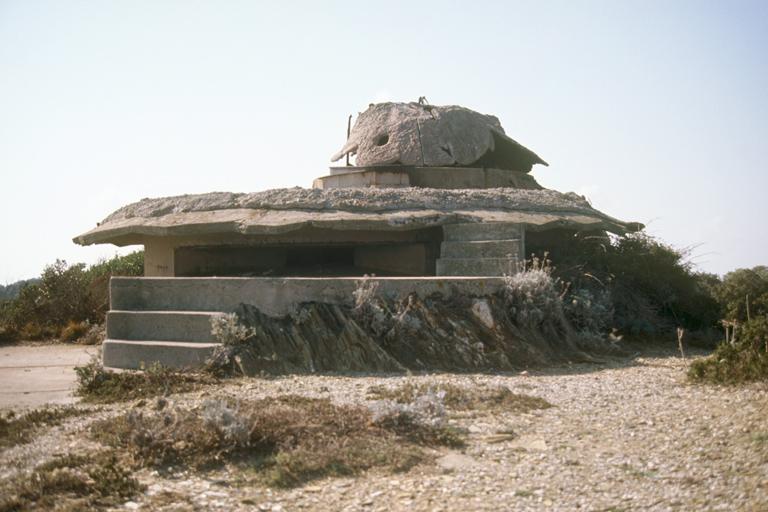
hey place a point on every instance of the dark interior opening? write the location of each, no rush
(338, 256)
(305, 260)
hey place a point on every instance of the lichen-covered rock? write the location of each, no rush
(434, 136)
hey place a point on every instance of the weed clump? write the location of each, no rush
(743, 360)
(531, 295)
(426, 411)
(97, 385)
(389, 319)
(228, 329)
(460, 399)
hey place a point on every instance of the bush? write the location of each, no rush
(746, 359)
(531, 295)
(740, 286)
(653, 287)
(383, 318)
(588, 311)
(65, 296)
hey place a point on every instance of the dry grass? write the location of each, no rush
(68, 484)
(460, 399)
(22, 429)
(282, 441)
(96, 385)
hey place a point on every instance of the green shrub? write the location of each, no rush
(589, 311)
(744, 360)
(740, 286)
(653, 287)
(65, 295)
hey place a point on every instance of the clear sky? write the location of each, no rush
(657, 111)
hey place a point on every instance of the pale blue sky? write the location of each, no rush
(655, 110)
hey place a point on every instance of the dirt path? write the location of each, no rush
(31, 376)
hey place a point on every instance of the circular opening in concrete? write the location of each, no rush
(382, 140)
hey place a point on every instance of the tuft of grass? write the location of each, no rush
(283, 441)
(20, 430)
(97, 385)
(637, 473)
(74, 331)
(70, 483)
(458, 398)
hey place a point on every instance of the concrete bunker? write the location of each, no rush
(438, 197)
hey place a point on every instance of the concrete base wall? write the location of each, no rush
(168, 320)
(273, 296)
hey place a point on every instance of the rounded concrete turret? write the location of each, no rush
(420, 145)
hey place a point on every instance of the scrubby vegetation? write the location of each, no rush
(634, 284)
(742, 360)
(743, 294)
(97, 385)
(21, 429)
(283, 441)
(70, 483)
(67, 300)
(497, 398)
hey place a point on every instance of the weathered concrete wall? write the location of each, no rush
(274, 296)
(426, 177)
(159, 257)
(409, 260)
(233, 254)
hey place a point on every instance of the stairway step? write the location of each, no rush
(476, 266)
(188, 326)
(482, 231)
(481, 249)
(133, 355)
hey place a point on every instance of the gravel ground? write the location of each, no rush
(631, 434)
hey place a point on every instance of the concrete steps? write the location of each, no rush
(142, 354)
(489, 249)
(137, 339)
(189, 326)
